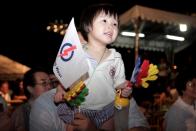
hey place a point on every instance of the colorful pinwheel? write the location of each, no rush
(142, 74)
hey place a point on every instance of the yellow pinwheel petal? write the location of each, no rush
(145, 84)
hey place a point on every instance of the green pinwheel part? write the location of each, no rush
(74, 102)
(83, 93)
(71, 103)
(77, 101)
(80, 98)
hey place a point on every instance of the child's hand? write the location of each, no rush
(126, 89)
(59, 96)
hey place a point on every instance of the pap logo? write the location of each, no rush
(67, 51)
(112, 71)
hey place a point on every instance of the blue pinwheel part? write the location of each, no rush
(136, 70)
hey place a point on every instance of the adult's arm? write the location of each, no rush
(44, 117)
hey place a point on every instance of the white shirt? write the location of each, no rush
(180, 117)
(136, 118)
(130, 117)
(103, 78)
(43, 115)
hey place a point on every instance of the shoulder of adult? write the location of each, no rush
(43, 114)
(136, 117)
(174, 108)
(44, 99)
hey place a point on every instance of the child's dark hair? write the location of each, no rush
(183, 77)
(91, 12)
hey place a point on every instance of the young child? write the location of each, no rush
(99, 27)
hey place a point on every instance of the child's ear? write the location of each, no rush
(88, 29)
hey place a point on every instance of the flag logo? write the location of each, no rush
(67, 51)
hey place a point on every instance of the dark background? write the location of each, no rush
(24, 37)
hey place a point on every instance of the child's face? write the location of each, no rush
(104, 28)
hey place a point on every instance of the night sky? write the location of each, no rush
(24, 37)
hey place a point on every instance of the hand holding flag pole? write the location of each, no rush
(140, 75)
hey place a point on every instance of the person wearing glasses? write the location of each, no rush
(35, 82)
(54, 80)
(182, 114)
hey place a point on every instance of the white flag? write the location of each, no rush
(70, 63)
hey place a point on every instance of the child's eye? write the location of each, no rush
(104, 21)
(115, 24)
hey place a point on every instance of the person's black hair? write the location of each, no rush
(183, 77)
(91, 12)
(29, 80)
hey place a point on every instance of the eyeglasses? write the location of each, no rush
(55, 82)
(44, 83)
